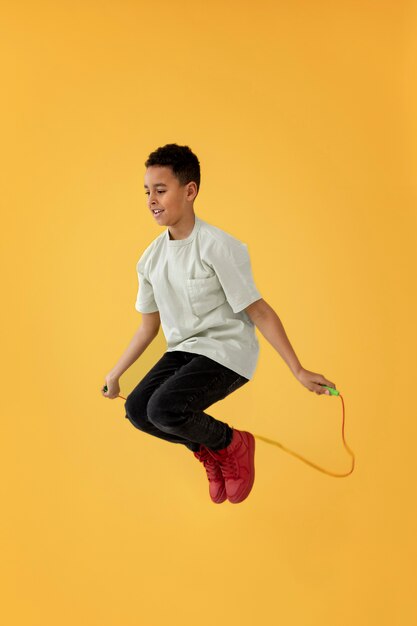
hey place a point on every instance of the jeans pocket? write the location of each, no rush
(207, 394)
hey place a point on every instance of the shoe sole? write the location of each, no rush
(251, 446)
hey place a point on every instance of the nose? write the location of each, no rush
(151, 198)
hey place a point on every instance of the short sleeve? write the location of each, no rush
(145, 300)
(231, 262)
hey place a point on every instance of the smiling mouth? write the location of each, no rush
(158, 211)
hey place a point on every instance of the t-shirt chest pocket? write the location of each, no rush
(205, 294)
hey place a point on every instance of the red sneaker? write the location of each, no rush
(237, 464)
(217, 487)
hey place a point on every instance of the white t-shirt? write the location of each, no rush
(200, 286)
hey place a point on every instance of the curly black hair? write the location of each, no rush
(182, 161)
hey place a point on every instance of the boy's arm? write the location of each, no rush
(268, 322)
(145, 334)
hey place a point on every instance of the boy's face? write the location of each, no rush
(165, 193)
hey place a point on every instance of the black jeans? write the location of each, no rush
(169, 401)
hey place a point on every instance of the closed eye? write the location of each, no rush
(159, 191)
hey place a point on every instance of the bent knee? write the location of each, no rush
(135, 413)
(158, 409)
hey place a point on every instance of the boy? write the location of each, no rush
(196, 281)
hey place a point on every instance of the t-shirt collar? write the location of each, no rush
(187, 240)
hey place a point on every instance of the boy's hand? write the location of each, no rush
(312, 380)
(113, 388)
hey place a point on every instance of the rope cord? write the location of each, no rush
(321, 469)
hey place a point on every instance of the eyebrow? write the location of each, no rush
(156, 185)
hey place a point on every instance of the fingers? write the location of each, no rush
(328, 383)
(106, 394)
(321, 389)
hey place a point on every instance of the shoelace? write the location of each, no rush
(211, 467)
(229, 467)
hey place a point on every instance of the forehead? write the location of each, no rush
(158, 175)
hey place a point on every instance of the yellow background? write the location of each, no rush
(303, 117)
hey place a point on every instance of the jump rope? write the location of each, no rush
(332, 392)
